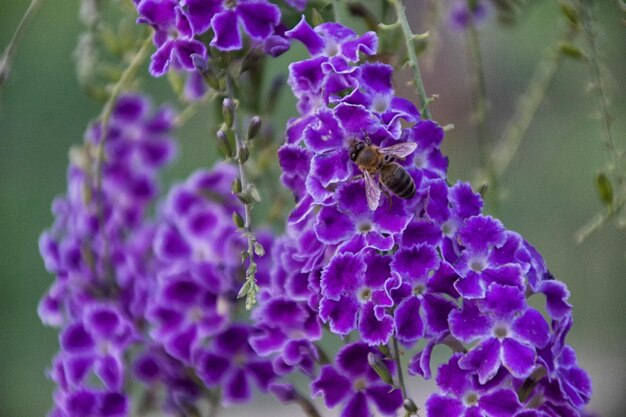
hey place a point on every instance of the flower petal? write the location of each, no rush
(258, 18)
(332, 385)
(226, 28)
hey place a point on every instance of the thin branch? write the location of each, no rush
(485, 140)
(191, 109)
(6, 60)
(597, 221)
(594, 60)
(250, 287)
(417, 76)
(616, 164)
(126, 76)
(306, 405)
(529, 103)
(336, 13)
(396, 354)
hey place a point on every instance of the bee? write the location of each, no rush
(373, 160)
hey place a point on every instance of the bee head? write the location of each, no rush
(355, 149)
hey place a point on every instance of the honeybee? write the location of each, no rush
(373, 160)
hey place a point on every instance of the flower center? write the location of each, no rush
(448, 228)
(222, 306)
(365, 227)
(239, 359)
(477, 265)
(360, 384)
(471, 399)
(365, 294)
(331, 49)
(501, 331)
(419, 160)
(230, 4)
(380, 103)
(195, 314)
(419, 289)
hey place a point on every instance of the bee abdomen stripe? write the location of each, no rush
(408, 190)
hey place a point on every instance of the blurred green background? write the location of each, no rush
(549, 186)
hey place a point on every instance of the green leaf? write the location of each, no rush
(570, 12)
(238, 220)
(605, 189)
(572, 51)
(316, 17)
(420, 42)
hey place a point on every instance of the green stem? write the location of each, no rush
(306, 405)
(336, 13)
(529, 103)
(396, 354)
(485, 140)
(245, 185)
(6, 60)
(594, 61)
(191, 109)
(126, 76)
(417, 76)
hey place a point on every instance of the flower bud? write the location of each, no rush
(224, 144)
(243, 155)
(410, 406)
(201, 65)
(259, 250)
(379, 366)
(254, 127)
(317, 18)
(238, 220)
(236, 188)
(228, 110)
(245, 197)
(605, 189)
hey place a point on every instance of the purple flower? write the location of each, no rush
(352, 224)
(334, 40)
(231, 363)
(354, 384)
(464, 397)
(257, 18)
(566, 381)
(462, 14)
(508, 333)
(355, 295)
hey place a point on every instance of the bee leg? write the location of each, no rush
(357, 177)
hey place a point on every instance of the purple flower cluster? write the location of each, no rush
(426, 268)
(379, 248)
(147, 298)
(178, 25)
(190, 314)
(95, 249)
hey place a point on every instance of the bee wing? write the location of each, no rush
(372, 191)
(399, 150)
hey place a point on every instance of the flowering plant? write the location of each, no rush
(175, 300)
